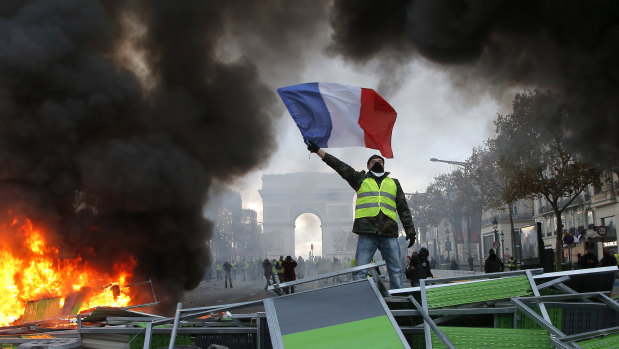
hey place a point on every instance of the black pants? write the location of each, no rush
(270, 280)
(228, 277)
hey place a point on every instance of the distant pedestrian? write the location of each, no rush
(471, 263)
(227, 273)
(300, 267)
(279, 269)
(432, 263)
(419, 267)
(268, 272)
(289, 275)
(493, 263)
(454, 265)
(218, 270)
(512, 263)
(589, 260)
(608, 259)
(578, 261)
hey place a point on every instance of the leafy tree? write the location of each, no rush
(496, 177)
(447, 199)
(533, 140)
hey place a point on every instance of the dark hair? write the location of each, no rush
(423, 252)
(491, 251)
(375, 157)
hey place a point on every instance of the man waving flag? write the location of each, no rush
(334, 115)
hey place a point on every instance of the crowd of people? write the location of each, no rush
(275, 271)
(416, 267)
(590, 260)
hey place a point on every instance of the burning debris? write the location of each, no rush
(37, 278)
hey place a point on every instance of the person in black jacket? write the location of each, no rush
(589, 260)
(380, 201)
(419, 267)
(608, 260)
(493, 263)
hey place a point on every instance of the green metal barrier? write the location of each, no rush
(496, 338)
(474, 292)
(611, 341)
(524, 322)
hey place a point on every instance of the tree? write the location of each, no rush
(533, 140)
(497, 179)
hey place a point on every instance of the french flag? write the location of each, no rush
(334, 115)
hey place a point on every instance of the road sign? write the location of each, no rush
(602, 230)
(448, 245)
(496, 244)
(568, 239)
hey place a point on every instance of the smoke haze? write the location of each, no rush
(569, 47)
(117, 115)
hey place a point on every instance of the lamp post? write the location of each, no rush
(495, 225)
(458, 163)
(502, 246)
(447, 244)
(464, 166)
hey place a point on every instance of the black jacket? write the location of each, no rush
(493, 264)
(418, 268)
(380, 224)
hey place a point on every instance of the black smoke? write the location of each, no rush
(569, 47)
(116, 116)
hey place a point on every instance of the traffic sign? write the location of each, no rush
(448, 245)
(602, 230)
(568, 239)
(496, 244)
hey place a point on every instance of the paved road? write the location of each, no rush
(214, 293)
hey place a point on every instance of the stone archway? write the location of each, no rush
(285, 197)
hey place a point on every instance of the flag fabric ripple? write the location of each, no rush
(334, 115)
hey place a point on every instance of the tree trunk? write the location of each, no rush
(559, 239)
(511, 227)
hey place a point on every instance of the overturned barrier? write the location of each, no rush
(525, 308)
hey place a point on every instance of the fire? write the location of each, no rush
(32, 268)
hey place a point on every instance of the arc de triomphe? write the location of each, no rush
(285, 197)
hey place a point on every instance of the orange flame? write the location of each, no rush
(31, 268)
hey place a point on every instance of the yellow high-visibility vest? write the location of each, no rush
(371, 199)
(279, 270)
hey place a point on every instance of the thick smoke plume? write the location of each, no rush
(567, 46)
(115, 117)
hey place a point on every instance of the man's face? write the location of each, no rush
(373, 161)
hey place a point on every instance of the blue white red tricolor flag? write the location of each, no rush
(334, 115)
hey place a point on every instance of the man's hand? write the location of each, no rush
(411, 240)
(312, 147)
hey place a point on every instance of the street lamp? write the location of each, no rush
(463, 165)
(495, 225)
(451, 162)
(502, 245)
(447, 244)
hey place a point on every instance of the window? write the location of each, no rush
(515, 209)
(548, 227)
(610, 223)
(597, 189)
(590, 220)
